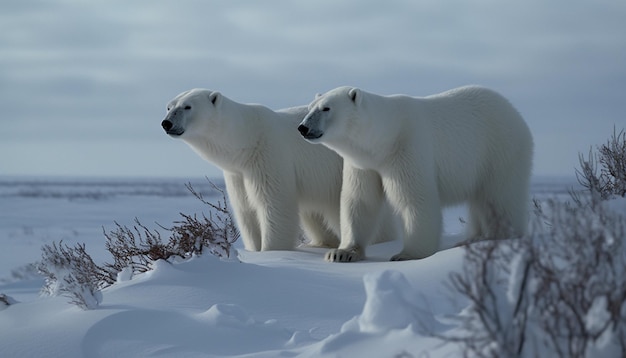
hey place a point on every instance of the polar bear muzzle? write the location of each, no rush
(170, 129)
(309, 127)
(308, 133)
(169, 123)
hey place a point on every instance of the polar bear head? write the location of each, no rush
(331, 115)
(193, 112)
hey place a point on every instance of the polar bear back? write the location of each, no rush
(473, 134)
(478, 135)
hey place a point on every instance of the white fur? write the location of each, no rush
(465, 145)
(274, 178)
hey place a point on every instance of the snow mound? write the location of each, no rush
(390, 303)
(230, 315)
(394, 318)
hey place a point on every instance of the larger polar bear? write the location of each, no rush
(465, 145)
(275, 180)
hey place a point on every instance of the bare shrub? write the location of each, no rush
(135, 247)
(610, 178)
(138, 247)
(558, 292)
(613, 161)
(488, 327)
(578, 284)
(216, 233)
(70, 271)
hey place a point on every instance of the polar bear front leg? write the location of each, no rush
(362, 200)
(415, 197)
(277, 208)
(245, 215)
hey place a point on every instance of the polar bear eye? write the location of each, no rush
(187, 107)
(325, 109)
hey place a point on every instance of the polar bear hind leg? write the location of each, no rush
(501, 211)
(318, 231)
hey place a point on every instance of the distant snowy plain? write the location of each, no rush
(267, 304)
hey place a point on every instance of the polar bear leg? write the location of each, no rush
(245, 214)
(512, 200)
(503, 211)
(474, 224)
(362, 200)
(317, 231)
(415, 197)
(277, 208)
(499, 208)
(518, 214)
(389, 225)
(491, 220)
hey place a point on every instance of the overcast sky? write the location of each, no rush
(83, 85)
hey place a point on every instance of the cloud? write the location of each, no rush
(103, 71)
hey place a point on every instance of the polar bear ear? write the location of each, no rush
(355, 95)
(215, 98)
(318, 95)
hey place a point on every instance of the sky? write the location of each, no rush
(83, 85)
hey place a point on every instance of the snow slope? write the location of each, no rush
(270, 304)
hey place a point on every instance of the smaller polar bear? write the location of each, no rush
(465, 145)
(275, 180)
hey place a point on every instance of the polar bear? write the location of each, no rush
(275, 180)
(465, 145)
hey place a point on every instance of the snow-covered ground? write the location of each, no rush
(270, 304)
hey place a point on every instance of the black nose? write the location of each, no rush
(167, 125)
(304, 130)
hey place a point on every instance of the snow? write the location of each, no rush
(257, 304)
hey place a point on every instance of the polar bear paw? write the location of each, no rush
(340, 255)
